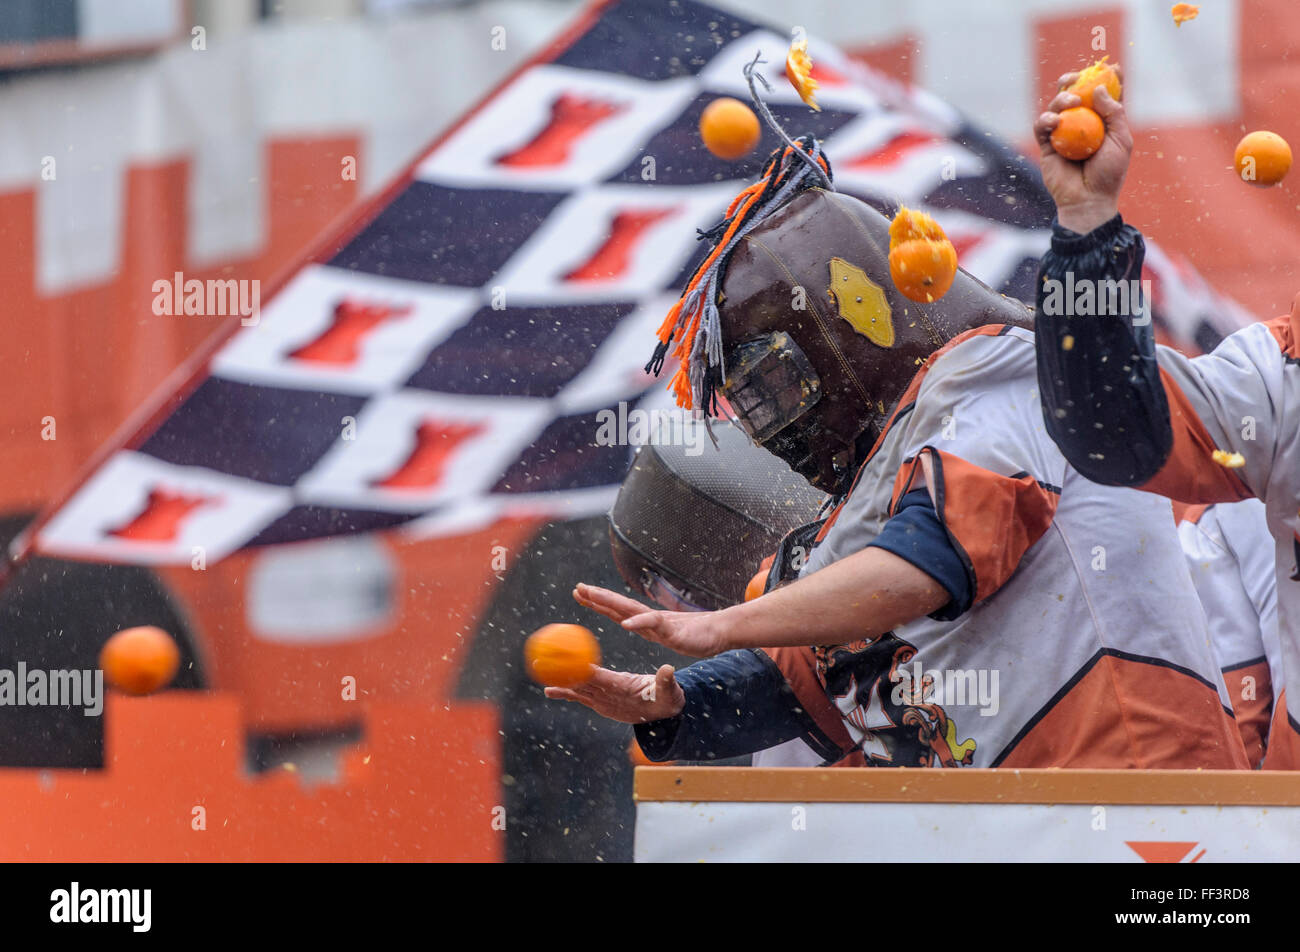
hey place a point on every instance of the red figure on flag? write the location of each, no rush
(435, 442)
(964, 243)
(892, 151)
(160, 519)
(611, 259)
(572, 117)
(340, 343)
(826, 76)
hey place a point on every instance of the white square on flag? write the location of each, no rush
(302, 340)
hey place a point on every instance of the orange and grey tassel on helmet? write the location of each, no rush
(694, 322)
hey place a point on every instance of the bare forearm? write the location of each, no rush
(860, 597)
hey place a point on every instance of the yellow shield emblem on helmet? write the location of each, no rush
(862, 303)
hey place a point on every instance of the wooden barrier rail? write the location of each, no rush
(968, 785)
(737, 814)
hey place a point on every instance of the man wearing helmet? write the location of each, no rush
(967, 600)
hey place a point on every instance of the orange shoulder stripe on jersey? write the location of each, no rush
(1188, 513)
(905, 403)
(1123, 711)
(1285, 333)
(1190, 474)
(1283, 751)
(799, 667)
(1251, 691)
(991, 519)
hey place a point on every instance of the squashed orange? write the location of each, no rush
(1100, 73)
(922, 261)
(798, 69)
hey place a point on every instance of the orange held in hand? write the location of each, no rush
(1099, 73)
(1262, 158)
(729, 128)
(922, 261)
(1079, 134)
(140, 660)
(561, 656)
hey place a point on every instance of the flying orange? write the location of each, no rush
(729, 128)
(561, 656)
(1262, 158)
(140, 660)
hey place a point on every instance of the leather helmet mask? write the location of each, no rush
(819, 345)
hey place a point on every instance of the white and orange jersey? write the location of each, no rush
(1085, 645)
(1230, 555)
(1235, 415)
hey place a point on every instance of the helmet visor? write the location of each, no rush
(666, 593)
(770, 383)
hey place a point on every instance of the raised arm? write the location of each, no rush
(1103, 401)
(1118, 416)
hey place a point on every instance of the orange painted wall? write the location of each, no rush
(420, 786)
(91, 356)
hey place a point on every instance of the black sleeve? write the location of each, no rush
(736, 703)
(1103, 400)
